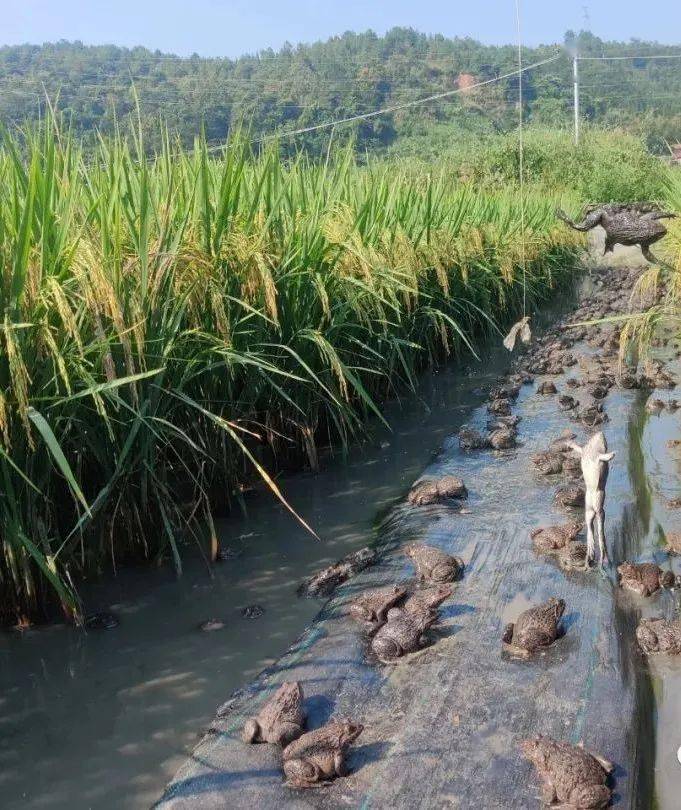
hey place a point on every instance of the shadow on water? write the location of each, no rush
(656, 474)
(637, 474)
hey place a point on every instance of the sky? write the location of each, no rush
(234, 27)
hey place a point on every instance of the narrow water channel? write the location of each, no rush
(656, 464)
(103, 719)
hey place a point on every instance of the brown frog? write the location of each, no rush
(319, 756)
(673, 539)
(326, 581)
(402, 633)
(280, 720)
(574, 557)
(503, 438)
(434, 565)
(572, 466)
(600, 390)
(554, 538)
(371, 609)
(566, 402)
(508, 390)
(504, 422)
(654, 405)
(433, 490)
(548, 463)
(570, 496)
(592, 415)
(521, 377)
(659, 636)
(563, 443)
(572, 777)
(644, 578)
(471, 439)
(499, 407)
(534, 628)
(427, 599)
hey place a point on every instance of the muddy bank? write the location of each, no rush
(442, 728)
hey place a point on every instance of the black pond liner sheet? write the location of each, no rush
(442, 727)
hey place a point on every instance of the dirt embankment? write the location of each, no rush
(442, 727)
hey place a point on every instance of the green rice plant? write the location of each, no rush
(174, 328)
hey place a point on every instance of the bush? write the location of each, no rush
(607, 166)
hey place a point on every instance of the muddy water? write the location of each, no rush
(657, 468)
(103, 719)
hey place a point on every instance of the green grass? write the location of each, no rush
(606, 166)
(173, 327)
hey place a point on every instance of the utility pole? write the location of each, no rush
(575, 76)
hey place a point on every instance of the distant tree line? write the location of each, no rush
(98, 88)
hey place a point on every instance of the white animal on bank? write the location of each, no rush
(595, 461)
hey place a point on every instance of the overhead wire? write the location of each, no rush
(408, 104)
(283, 134)
(231, 82)
(622, 58)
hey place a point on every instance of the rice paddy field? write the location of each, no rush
(179, 328)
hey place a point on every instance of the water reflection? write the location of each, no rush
(658, 468)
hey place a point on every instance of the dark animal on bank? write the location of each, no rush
(319, 756)
(433, 490)
(280, 720)
(624, 224)
(327, 580)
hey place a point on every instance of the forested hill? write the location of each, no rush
(350, 74)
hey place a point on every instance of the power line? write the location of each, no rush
(407, 104)
(627, 96)
(623, 85)
(621, 58)
(375, 113)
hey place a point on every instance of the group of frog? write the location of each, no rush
(396, 618)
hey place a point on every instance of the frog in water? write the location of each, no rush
(644, 578)
(573, 778)
(534, 629)
(550, 539)
(427, 599)
(659, 636)
(435, 490)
